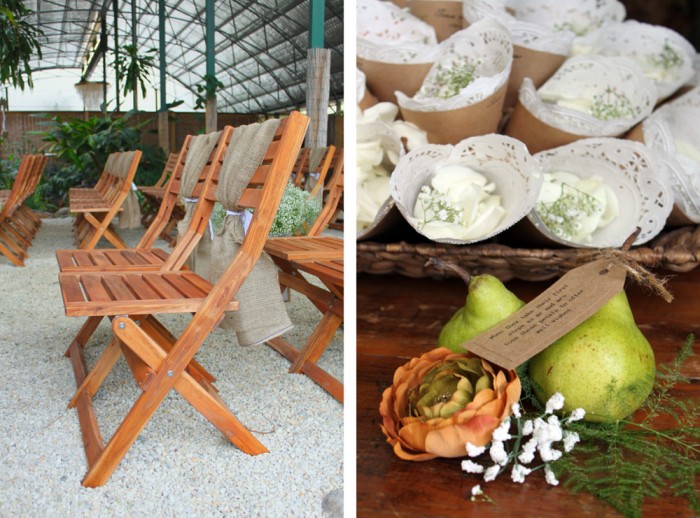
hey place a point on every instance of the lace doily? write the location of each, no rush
(595, 80)
(665, 57)
(502, 160)
(577, 16)
(662, 129)
(484, 51)
(633, 172)
(531, 35)
(389, 34)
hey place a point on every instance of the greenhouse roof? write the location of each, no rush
(261, 46)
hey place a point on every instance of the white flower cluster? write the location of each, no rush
(543, 432)
(573, 207)
(380, 143)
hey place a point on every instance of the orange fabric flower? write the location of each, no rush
(431, 411)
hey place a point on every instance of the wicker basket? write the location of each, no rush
(676, 250)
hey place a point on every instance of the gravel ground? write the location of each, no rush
(180, 465)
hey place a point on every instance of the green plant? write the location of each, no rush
(18, 42)
(134, 69)
(8, 171)
(207, 90)
(83, 147)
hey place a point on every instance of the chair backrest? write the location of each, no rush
(168, 169)
(333, 192)
(208, 178)
(30, 169)
(322, 170)
(263, 195)
(119, 172)
(301, 166)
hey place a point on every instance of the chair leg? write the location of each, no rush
(206, 401)
(318, 341)
(85, 333)
(149, 355)
(93, 380)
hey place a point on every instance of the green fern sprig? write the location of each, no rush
(626, 462)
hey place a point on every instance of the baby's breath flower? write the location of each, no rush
(556, 402)
(472, 467)
(549, 476)
(501, 433)
(475, 451)
(577, 415)
(519, 472)
(570, 440)
(528, 427)
(498, 453)
(476, 490)
(528, 451)
(491, 473)
(516, 410)
(547, 453)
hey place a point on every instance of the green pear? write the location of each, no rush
(488, 302)
(605, 365)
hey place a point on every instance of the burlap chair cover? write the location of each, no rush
(262, 314)
(130, 215)
(201, 147)
(315, 158)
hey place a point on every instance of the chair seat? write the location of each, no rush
(100, 294)
(106, 260)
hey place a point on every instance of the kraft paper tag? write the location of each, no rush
(555, 312)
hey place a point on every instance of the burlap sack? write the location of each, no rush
(201, 147)
(130, 215)
(262, 314)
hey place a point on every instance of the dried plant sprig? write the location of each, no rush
(563, 215)
(436, 207)
(612, 104)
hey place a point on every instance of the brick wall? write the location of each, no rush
(19, 125)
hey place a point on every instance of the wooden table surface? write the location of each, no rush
(399, 318)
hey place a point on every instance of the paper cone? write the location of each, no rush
(444, 15)
(453, 126)
(383, 79)
(537, 65)
(534, 133)
(368, 100)
(503, 161)
(632, 171)
(636, 133)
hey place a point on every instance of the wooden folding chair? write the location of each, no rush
(159, 360)
(301, 167)
(144, 256)
(18, 224)
(332, 194)
(336, 221)
(153, 195)
(321, 257)
(96, 207)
